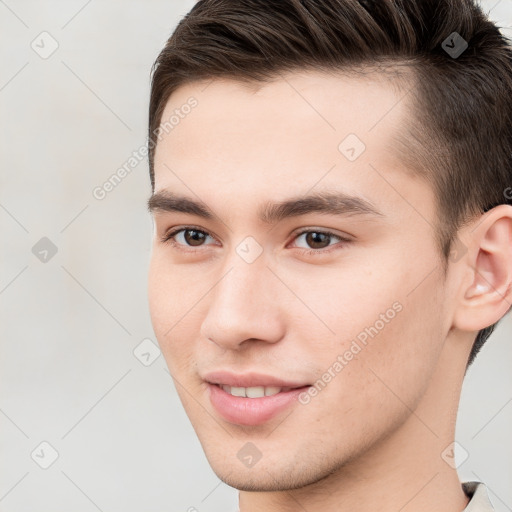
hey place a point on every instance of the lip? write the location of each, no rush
(250, 379)
(251, 411)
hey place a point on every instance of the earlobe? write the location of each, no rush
(489, 295)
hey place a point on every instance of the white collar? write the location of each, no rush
(480, 502)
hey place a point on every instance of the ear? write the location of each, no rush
(487, 269)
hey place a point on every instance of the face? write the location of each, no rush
(342, 297)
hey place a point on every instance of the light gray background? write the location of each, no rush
(69, 326)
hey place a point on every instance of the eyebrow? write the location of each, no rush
(331, 203)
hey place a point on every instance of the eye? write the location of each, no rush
(186, 237)
(318, 240)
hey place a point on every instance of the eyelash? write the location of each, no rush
(169, 239)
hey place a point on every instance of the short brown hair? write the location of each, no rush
(459, 137)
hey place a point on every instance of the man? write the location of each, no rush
(333, 241)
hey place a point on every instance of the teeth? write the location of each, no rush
(273, 390)
(238, 391)
(253, 392)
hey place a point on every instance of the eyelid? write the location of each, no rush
(325, 231)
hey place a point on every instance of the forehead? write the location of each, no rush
(297, 132)
(329, 103)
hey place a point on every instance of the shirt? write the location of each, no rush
(479, 498)
(477, 492)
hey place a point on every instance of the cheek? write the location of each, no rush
(164, 305)
(385, 322)
(157, 295)
(398, 358)
(346, 302)
(375, 379)
(170, 293)
(174, 304)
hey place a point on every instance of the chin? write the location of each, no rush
(271, 475)
(253, 480)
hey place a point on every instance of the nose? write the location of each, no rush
(244, 306)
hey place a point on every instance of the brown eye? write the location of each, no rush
(186, 237)
(194, 237)
(317, 240)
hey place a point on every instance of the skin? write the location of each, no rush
(373, 437)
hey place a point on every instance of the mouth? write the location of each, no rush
(255, 391)
(251, 406)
